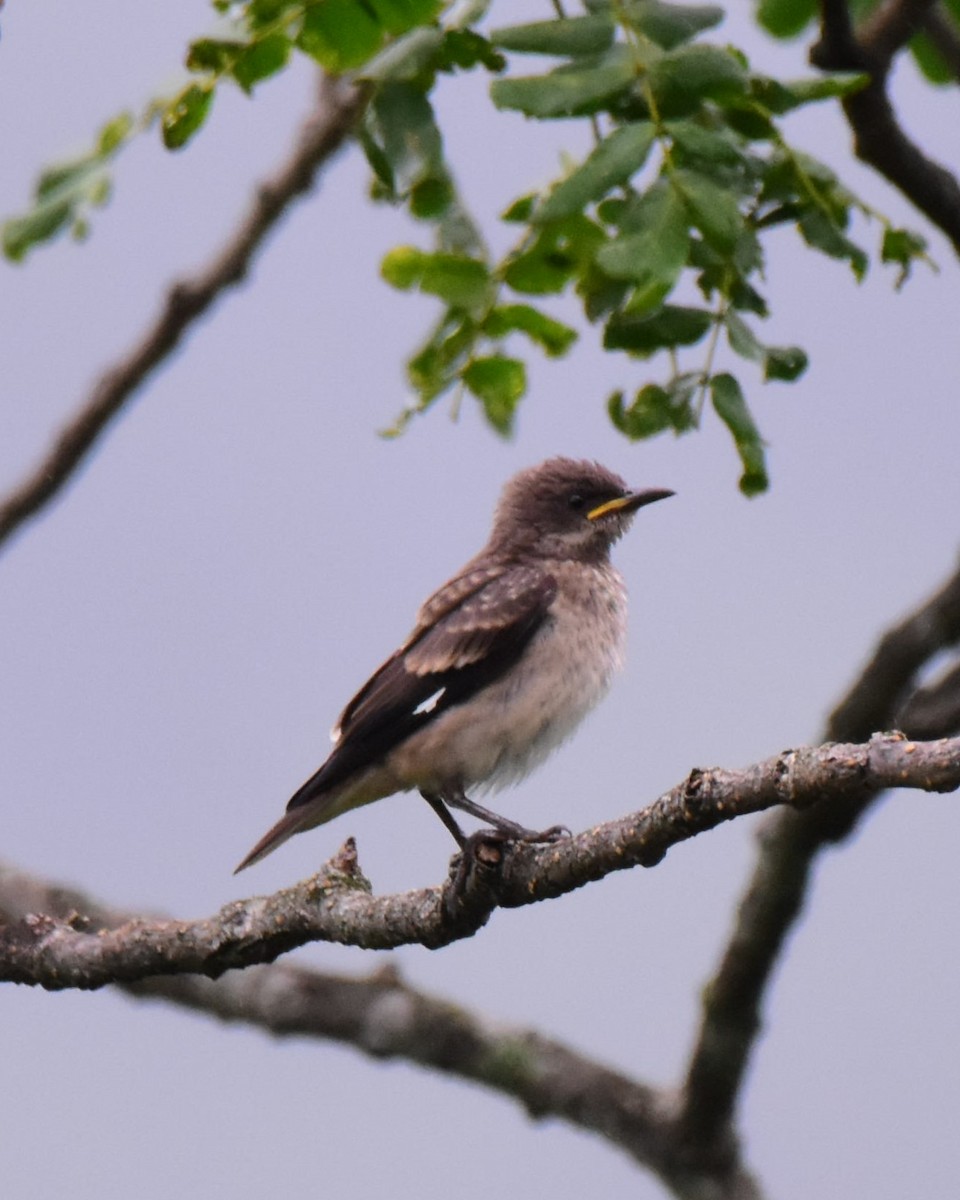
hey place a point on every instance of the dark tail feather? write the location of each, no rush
(289, 824)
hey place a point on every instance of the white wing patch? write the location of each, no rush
(431, 702)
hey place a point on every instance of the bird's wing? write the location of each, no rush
(467, 635)
(456, 594)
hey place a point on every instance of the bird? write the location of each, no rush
(503, 662)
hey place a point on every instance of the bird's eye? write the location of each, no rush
(577, 502)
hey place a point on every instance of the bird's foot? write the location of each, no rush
(556, 833)
(509, 831)
(478, 862)
(485, 850)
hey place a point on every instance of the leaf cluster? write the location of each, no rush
(689, 173)
(255, 40)
(66, 191)
(659, 231)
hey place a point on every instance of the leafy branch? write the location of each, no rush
(659, 231)
(690, 169)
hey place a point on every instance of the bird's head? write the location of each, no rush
(566, 509)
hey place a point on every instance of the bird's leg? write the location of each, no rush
(475, 850)
(505, 827)
(446, 816)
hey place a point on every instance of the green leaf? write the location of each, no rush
(784, 362)
(113, 135)
(43, 222)
(521, 209)
(732, 410)
(379, 164)
(745, 118)
(600, 294)
(401, 121)
(933, 66)
(649, 413)
(261, 59)
(747, 299)
(655, 408)
(688, 75)
(65, 177)
(553, 336)
(905, 247)
(499, 383)
(643, 335)
(399, 16)
(539, 271)
(568, 90)
(463, 283)
(213, 54)
(712, 209)
(612, 162)
(670, 25)
(698, 143)
(465, 48)
(64, 191)
(822, 233)
(435, 366)
(184, 115)
(410, 57)
(340, 34)
(654, 252)
(571, 36)
(261, 13)
(561, 250)
(782, 97)
(431, 198)
(779, 362)
(786, 18)
(425, 49)
(742, 339)
(836, 86)
(402, 267)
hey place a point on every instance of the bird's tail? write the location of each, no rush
(290, 823)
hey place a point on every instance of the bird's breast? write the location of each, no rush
(504, 731)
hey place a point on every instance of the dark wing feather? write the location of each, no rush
(462, 643)
(454, 594)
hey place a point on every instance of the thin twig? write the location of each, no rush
(323, 134)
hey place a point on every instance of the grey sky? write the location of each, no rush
(179, 633)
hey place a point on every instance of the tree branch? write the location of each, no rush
(323, 134)
(888, 29)
(79, 943)
(880, 693)
(336, 904)
(384, 1017)
(789, 845)
(934, 711)
(878, 138)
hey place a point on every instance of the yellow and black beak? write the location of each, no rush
(629, 502)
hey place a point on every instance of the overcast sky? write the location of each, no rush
(180, 630)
